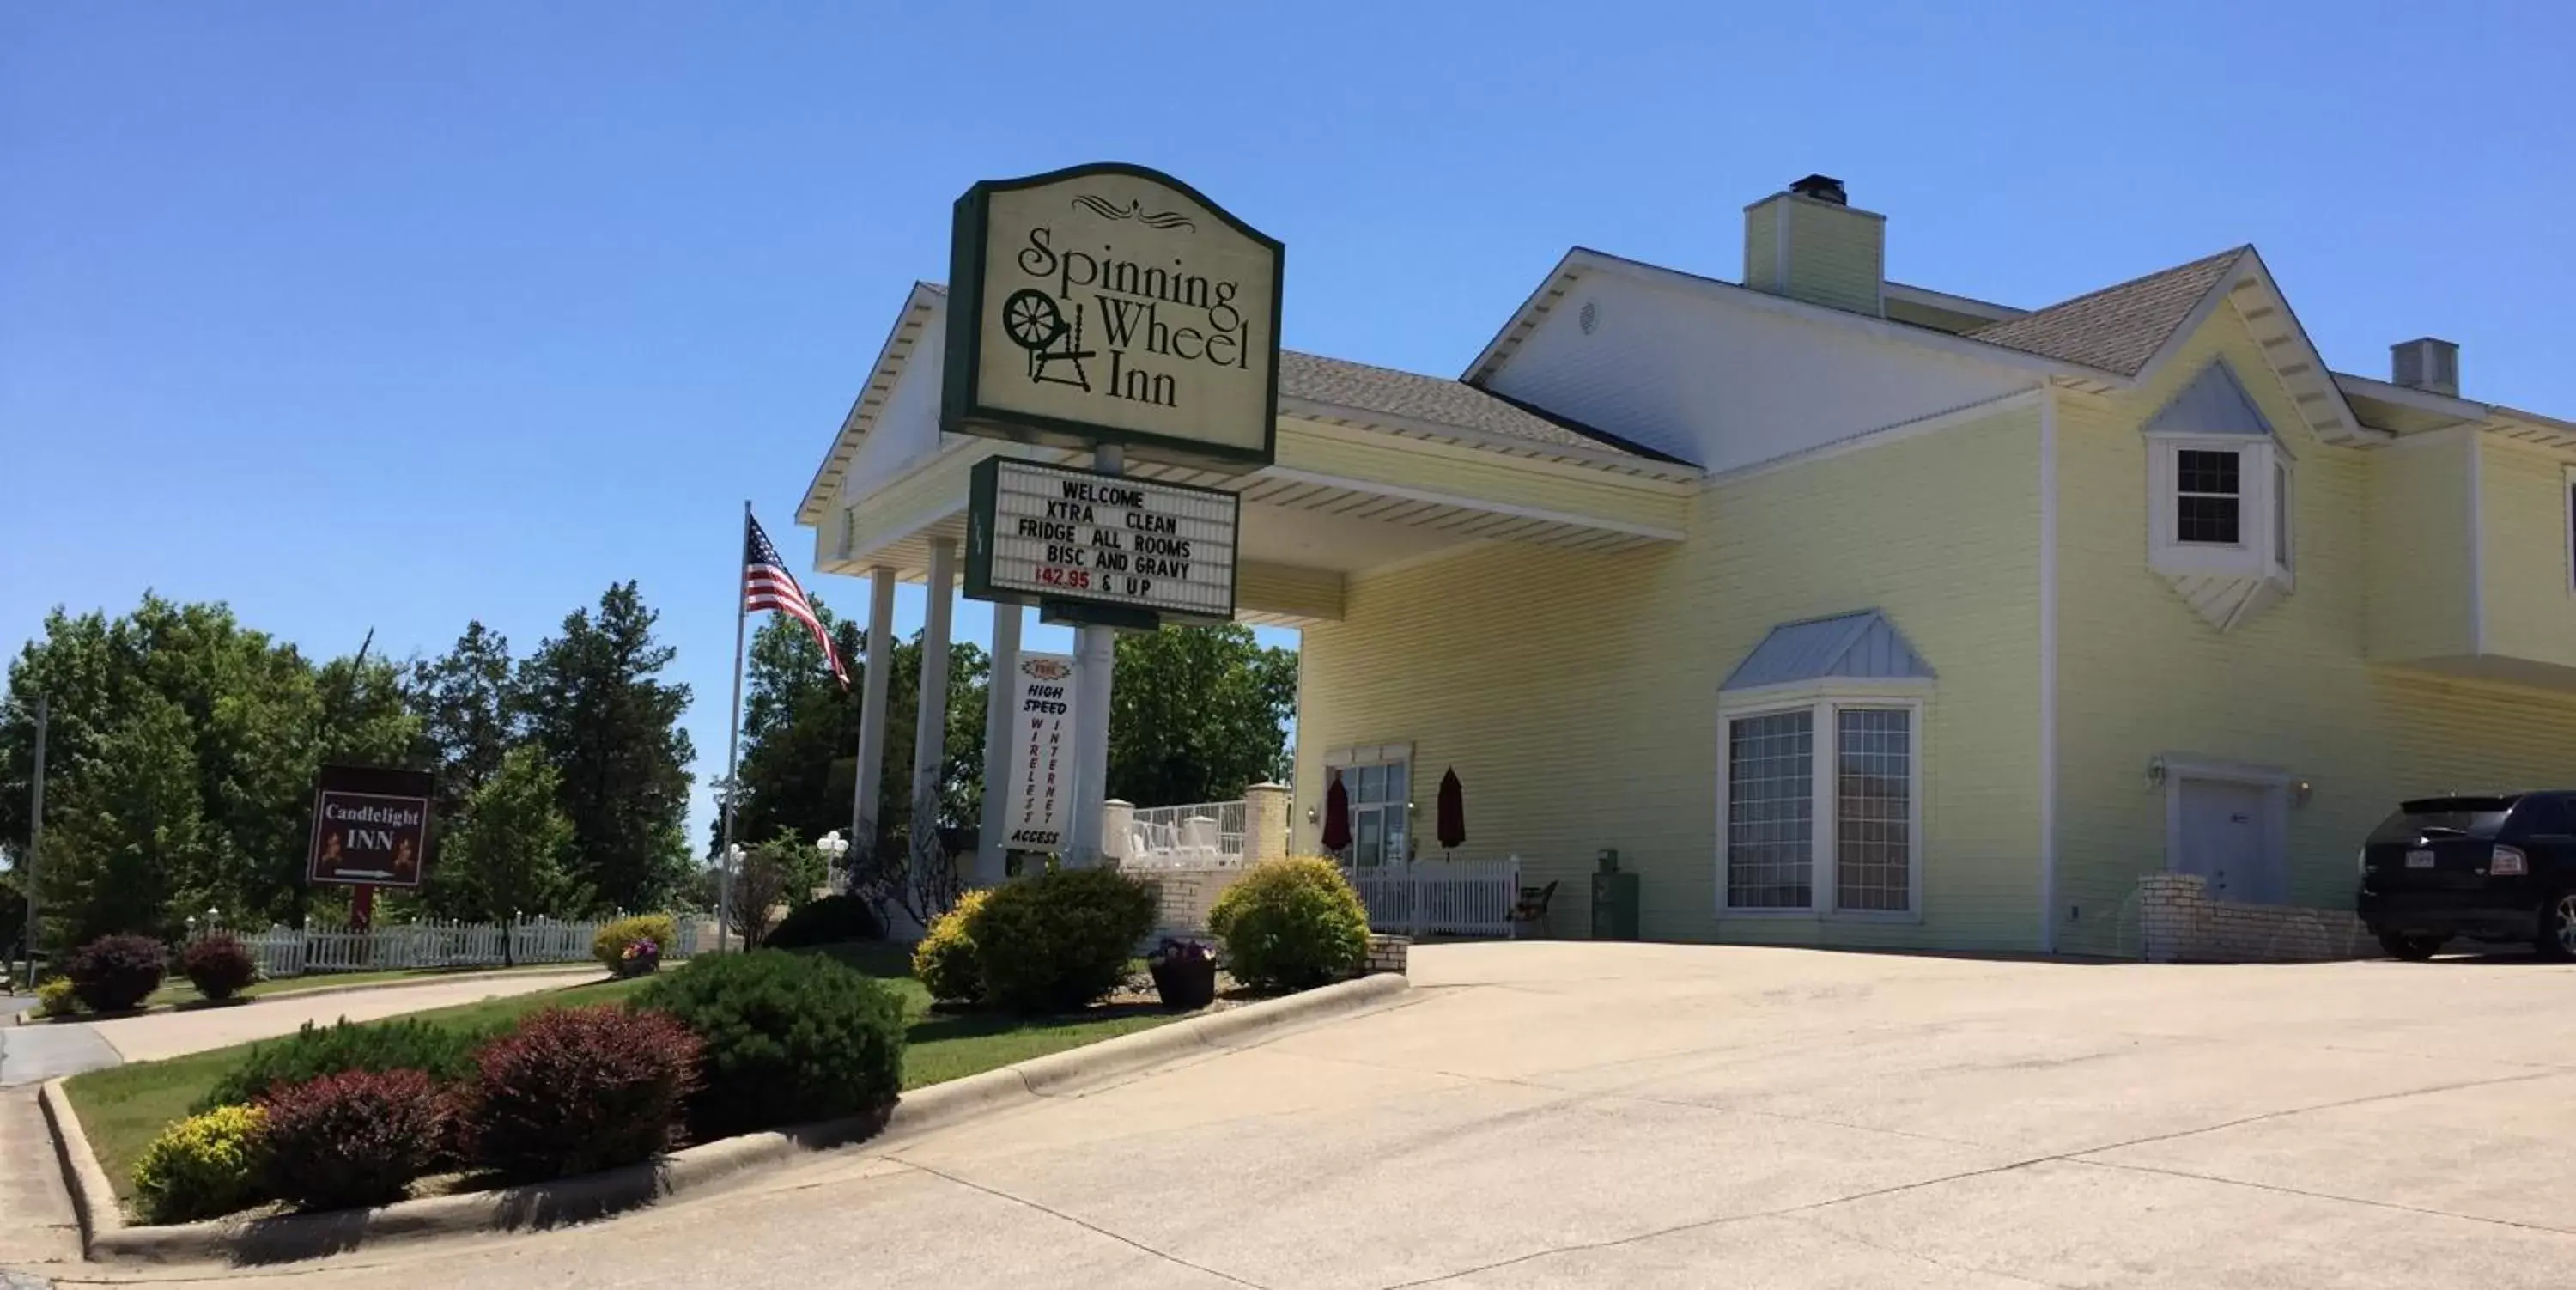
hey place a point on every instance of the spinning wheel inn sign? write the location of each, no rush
(1110, 303)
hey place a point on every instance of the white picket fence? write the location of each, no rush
(1440, 897)
(294, 951)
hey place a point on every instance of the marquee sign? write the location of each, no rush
(1040, 533)
(1111, 303)
(370, 827)
(1038, 797)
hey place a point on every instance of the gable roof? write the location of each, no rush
(1312, 382)
(2119, 328)
(1855, 646)
(2212, 403)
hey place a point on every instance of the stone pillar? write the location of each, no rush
(1265, 822)
(1095, 658)
(992, 853)
(872, 709)
(930, 727)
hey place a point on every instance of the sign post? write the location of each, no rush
(1116, 309)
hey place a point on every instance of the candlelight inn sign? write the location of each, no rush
(1112, 304)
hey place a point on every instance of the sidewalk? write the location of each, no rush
(169, 1034)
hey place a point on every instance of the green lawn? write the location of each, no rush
(178, 991)
(124, 1107)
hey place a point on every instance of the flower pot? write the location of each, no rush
(639, 965)
(1185, 985)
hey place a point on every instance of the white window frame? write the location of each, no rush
(1338, 761)
(2267, 528)
(2567, 535)
(1826, 703)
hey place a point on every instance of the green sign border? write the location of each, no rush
(962, 412)
(983, 492)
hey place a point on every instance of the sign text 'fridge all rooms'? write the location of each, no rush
(1039, 532)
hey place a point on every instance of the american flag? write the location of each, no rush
(766, 584)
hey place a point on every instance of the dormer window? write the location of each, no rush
(2221, 521)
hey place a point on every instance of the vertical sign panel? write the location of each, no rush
(1038, 804)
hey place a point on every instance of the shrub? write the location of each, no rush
(577, 1090)
(1055, 941)
(1290, 924)
(218, 966)
(787, 1038)
(315, 1051)
(204, 1166)
(115, 973)
(945, 961)
(609, 947)
(355, 1138)
(832, 920)
(56, 999)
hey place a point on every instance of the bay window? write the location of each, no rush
(1822, 803)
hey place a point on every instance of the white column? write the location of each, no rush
(930, 728)
(872, 707)
(992, 855)
(1095, 656)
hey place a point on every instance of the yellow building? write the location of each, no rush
(1854, 613)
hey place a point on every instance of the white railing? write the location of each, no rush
(1193, 836)
(294, 951)
(1440, 897)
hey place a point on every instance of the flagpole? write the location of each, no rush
(733, 738)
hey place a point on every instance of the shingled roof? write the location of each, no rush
(2116, 329)
(1359, 387)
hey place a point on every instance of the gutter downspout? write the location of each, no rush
(2047, 669)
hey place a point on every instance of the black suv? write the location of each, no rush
(2499, 867)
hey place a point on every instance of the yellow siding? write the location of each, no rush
(1834, 256)
(2522, 500)
(1576, 694)
(1287, 590)
(1371, 457)
(1762, 249)
(2418, 541)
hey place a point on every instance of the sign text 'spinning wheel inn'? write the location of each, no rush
(1113, 304)
(370, 827)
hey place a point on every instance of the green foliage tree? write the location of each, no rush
(1196, 714)
(128, 848)
(506, 854)
(467, 705)
(596, 708)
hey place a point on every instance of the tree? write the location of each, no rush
(127, 850)
(611, 731)
(1197, 714)
(781, 871)
(467, 708)
(506, 854)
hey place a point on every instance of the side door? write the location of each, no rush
(2225, 840)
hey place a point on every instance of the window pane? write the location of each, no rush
(1395, 784)
(1873, 809)
(1371, 781)
(1367, 847)
(1394, 819)
(1770, 809)
(2281, 514)
(2205, 519)
(2206, 471)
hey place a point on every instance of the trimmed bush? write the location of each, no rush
(204, 1166)
(577, 1090)
(218, 966)
(832, 920)
(55, 998)
(315, 1051)
(609, 947)
(356, 1138)
(117, 973)
(1290, 924)
(787, 1038)
(945, 961)
(1056, 941)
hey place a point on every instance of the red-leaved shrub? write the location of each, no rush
(576, 1090)
(355, 1138)
(115, 973)
(218, 966)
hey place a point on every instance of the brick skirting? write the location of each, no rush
(2181, 924)
(1388, 954)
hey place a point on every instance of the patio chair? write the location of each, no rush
(1532, 908)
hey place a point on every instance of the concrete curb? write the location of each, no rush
(699, 1170)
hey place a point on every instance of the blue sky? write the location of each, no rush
(393, 315)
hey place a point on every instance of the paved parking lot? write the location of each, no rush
(1637, 1116)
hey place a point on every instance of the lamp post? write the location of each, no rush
(833, 846)
(724, 893)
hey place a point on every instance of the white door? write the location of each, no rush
(2227, 839)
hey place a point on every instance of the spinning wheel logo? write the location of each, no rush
(1036, 323)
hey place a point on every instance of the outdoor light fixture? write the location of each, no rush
(2155, 772)
(1310, 815)
(2300, 791)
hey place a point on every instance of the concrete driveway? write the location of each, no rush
(1638, 1116)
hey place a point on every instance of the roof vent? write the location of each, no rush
(1823, 188)
(2426, 364)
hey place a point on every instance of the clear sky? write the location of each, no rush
(394, 315)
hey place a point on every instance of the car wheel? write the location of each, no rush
(2557, 938)
(2413, 949)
